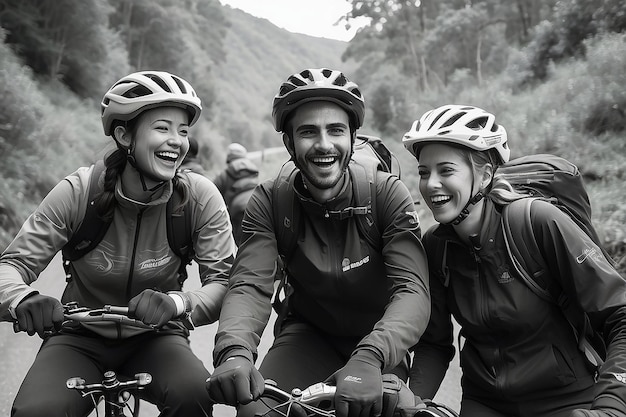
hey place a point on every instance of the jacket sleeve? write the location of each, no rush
(435, 349)
(42, 235)
(247, 305)
(591, 282)
(214, 248)
(407, 313)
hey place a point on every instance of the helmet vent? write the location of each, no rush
(477, 124)
(437, 118)
(180, 84)
(453, 119)
(137, 91)
(295, 81)
(160, 82)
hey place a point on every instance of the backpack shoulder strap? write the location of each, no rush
(364, 186)
(93, 228)
(179, 232)
(286, 220)
(526, 258)
(286, 216)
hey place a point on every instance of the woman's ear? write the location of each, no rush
(122, 136)
(289, 145)
(487, 176)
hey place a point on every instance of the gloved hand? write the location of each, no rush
(152, 307)
(603, 412)
(236, 381)
(39, 314)
(359, 387)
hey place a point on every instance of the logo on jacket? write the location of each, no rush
(347, 265)
(505, 278)
(591, 253)
(155, 263)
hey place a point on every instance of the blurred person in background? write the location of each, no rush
(236, 183)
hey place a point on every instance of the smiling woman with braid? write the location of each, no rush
(148, 114)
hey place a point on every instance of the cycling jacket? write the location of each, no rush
(342, 285)
(133, 255)
(518, 347)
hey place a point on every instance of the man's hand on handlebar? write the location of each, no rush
(235, 381)
(359, 388)
(39, 314)
(152, 307)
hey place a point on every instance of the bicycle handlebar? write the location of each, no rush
(116, 393)
(110, 382)
(315, 394)
(319, 399)
(108, 313)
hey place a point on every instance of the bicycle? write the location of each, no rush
(116, 394)
(318, 400)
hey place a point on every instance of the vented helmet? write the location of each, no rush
(318, 85)
(146, 90)
(467, 126)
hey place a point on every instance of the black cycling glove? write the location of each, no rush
(39, 314)
(236, 381)
(359, 387)
(152, 307)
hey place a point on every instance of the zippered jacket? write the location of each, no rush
(516, 347)
(342, 285)
(133, 255)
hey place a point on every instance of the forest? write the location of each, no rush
(552, 71)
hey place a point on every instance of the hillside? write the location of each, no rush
(46, 130)
(572, 105)
(259, 57)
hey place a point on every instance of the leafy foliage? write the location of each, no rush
(554, 86)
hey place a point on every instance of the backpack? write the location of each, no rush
(370, 155)
(559, 182)
(93, 229)
(243, 176)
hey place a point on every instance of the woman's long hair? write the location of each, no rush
(500, 191)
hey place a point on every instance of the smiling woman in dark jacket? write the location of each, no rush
(520, 356)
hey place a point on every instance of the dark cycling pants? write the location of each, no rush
(178, 375)
(301, 355)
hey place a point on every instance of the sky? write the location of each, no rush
(311, 17)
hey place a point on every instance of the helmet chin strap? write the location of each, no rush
(142, 176)
(465, 212)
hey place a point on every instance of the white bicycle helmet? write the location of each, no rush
(145, 90)
(462, 125)
(314, 85)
